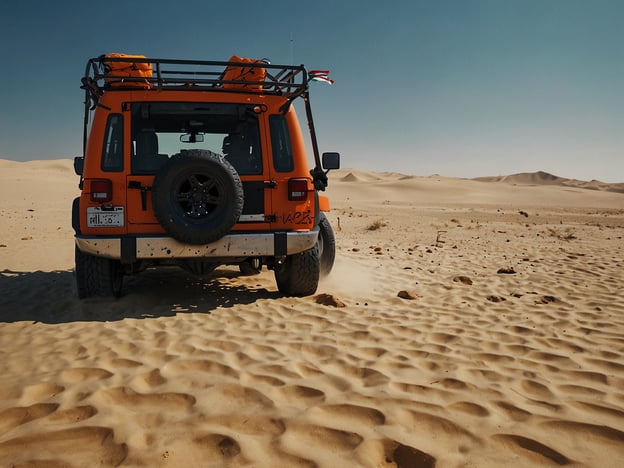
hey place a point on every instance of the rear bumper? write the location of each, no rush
(131, 248)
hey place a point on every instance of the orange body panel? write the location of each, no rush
(281, 213)
(323, 203)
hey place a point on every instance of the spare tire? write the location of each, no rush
(197, 196)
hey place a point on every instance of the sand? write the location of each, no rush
(466, 324)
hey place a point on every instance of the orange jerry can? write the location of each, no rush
(127, 74)
(254, 75)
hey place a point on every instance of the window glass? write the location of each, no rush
(162, 129)
(280, 141)
(112, 154)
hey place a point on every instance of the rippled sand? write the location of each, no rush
(483, 325)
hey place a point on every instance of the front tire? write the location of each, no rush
(299, 274)
(251, 267)
(97, 276)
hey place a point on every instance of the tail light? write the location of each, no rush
(298, 189)
(101, 190)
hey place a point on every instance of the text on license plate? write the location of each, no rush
(98, 217)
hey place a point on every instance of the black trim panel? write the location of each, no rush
(76, 215)
(254, 197)
(280, 243)
(128, 250)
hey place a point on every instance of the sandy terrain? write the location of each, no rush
(482, 326)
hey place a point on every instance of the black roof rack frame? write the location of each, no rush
(290, 81)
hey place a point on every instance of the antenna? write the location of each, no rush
(292, 49)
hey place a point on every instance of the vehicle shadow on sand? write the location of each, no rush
(50, 297)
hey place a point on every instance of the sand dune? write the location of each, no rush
(505, 348)
(527, 178)
(544, 178)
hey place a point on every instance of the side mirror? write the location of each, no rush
(331, 161)
(78, 165)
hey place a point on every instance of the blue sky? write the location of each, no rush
(462, 88)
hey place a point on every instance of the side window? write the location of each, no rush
(280, 141)
(112, 153)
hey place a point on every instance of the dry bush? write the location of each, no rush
(568, 235)
(376, 225)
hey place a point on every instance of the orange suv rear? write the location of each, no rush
(199, 164)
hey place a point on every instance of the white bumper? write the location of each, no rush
(129, 248)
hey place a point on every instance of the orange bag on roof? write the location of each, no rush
(118, 72)
(254, 75)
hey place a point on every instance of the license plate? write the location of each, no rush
(98, 217)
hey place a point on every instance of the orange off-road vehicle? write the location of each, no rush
(198, 164)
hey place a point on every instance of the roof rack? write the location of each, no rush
(113, 73)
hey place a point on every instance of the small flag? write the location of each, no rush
(320, 75)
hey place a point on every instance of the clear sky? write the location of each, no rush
(462, 88)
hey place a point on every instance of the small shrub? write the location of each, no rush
(376, 225)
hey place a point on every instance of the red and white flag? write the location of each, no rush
(320, 75)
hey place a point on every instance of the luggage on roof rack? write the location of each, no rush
(126, 74)
(249, 78)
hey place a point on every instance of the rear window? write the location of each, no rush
(112, 153)
(280, 141)
(162, 129)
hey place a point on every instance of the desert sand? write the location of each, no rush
(466, 323)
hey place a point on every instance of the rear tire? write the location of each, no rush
(97, 276)
(327, 245)
(299, 274)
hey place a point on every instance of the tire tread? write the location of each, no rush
(300, 273)
(95, 276)
(328, 256)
